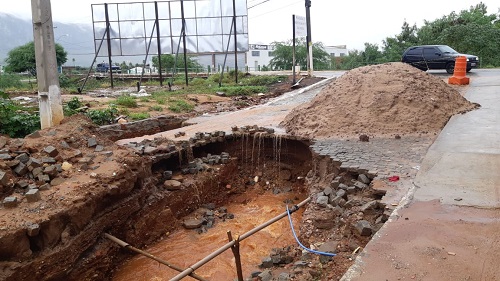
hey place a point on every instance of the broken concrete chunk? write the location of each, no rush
(43, 178)
(66, 166)
(343, 186)
(341, 193)
(22, 184)
(21, 169)
(3, 141)
(45, 186)
(360, 185)
(363, 228)
(33, 195)
(51, 151)
(265, 276)
(267, 262)
(4, 179)
(10, 202)
(57, 181)
(48, 160)
(5, 156)
(372, 205)
(99, 148)
(91, 142)
(34, 163)
(23, 157)
(37, 171)
(107, 153)
(322, 201)
(363, 178)
(51, 171)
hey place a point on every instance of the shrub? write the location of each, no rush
(9, 81)
(242, 90)
(156, 108)
(14, 120)
(71, 106)
(103, 116)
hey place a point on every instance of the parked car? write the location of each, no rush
(104, 67)
(436, 57)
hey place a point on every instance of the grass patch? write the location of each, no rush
(126, 101)
(156, 108)
(135, 116)
(179, 106)
(242, 90)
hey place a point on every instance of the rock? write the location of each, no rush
(363, 228)
(372, 205)
(3, 141)
(172, 185)
(37, 171)
(66, 166)
(360, 185)
(107, 153)
(33, 229)
(10, 202)
(283, 276)
(192, 223)
(76, 154)
(150, 150)
(48, 160)
(5, 156)
(21, 169)
(57, 181)
(351, 190)
(51, 171)
(325, 220)
(23, 157)
(327, 191)
(13, 163)
(91, 142)
(363, 178)
(335, 183)
(33, 195)
(51, 151)
(335, 201)
(327, 247)
(34, 163)
(254, 274)
(322, 201)
(167, 175)
(4, 179)
(341, 193)
(22, 184)
(343, 186)
(265, 276)
(99, 148)
(267, 262)
(45, 186)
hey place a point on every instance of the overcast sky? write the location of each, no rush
(349, 22)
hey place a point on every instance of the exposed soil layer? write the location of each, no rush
(378, 100)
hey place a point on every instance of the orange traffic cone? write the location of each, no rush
(459, 77)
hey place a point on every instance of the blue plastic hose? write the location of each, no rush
(300, 244)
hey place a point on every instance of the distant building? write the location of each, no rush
(337, 51)
(260, 55)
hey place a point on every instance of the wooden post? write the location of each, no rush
(49, 93)
(236, 252)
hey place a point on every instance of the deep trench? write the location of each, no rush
(144, 215)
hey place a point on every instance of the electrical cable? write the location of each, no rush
(300, 244)
(258, 4)
(275, 10)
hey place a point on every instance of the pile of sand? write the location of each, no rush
(378, 100)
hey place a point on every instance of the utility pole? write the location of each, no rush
(49, 93)
(310, 68)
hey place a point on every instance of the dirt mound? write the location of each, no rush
(379, 100)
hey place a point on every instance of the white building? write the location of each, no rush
(260, 55)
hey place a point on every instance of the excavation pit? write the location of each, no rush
(146, 192)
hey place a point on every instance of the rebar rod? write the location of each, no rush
(222, 249)
(131, 248)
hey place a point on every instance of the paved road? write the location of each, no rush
(449, 229)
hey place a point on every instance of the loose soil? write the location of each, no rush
(378, 100)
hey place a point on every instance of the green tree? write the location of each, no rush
(124, 67)
(393, 47)
(283, 55)
(22, 58)
(168, 61)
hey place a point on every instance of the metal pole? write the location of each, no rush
(125, 245)
(92, 65)
(219, 251)
(49, 92)
(157, 21)
(235, 44)
(309, 40)
(184, 41)
(293, 50)
(108, 38)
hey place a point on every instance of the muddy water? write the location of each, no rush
(186, 247)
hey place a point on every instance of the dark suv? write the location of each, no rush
(436, 57)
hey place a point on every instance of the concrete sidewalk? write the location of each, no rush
(449, 226)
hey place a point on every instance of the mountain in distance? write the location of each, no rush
(77, 39)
